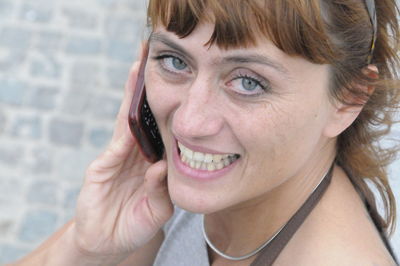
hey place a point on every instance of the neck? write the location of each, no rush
(240, 230)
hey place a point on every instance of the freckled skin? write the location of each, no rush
(286, 138)
(277, 135)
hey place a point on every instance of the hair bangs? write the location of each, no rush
(293, 26)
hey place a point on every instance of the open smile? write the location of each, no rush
(200, 163)
(205, 161)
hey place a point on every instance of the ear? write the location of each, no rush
(343, 115)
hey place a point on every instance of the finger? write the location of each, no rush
(156, 176)
(144, 46)
(123, 114)
(111, 161)
(121, 124)
(157, 192)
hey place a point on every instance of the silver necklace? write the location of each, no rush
(216, 250)
(226, 256)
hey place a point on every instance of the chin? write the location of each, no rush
(192, 200)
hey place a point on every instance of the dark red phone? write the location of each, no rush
(141, 120)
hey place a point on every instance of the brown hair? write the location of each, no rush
(334, 32)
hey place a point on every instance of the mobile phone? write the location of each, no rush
(141, 120)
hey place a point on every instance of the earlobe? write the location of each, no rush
(343, 115)
(372, 72)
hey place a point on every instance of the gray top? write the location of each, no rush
(184, 243)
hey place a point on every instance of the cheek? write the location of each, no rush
(278, 140)
(161, 98)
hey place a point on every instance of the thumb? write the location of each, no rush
(158, 196)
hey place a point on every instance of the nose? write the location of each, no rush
(199, 114)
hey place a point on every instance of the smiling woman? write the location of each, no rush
(319, 38)
(270, 113)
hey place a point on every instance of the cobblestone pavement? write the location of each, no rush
(63, 65)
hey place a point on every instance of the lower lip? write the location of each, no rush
(197, 173)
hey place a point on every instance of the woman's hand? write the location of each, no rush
(124, 200)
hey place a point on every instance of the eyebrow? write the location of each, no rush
(159, 37)
(238, 59)
(255, 58)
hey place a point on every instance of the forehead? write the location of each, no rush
(293, 27)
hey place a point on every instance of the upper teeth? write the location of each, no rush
(205, 161)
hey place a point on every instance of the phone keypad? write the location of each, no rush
(151, 128)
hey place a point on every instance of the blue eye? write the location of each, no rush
(178, 64)
(249, 84)
(172, 63)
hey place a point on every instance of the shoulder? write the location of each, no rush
(339, 231)
(333, 253)
(339, 250)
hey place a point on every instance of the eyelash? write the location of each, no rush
(160, 58)
(262, 83)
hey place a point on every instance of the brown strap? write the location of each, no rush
(269, 254)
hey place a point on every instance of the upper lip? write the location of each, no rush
(199, 148)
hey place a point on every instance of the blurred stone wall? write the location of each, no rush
(63, 65)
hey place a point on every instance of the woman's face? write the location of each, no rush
(257, 113)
